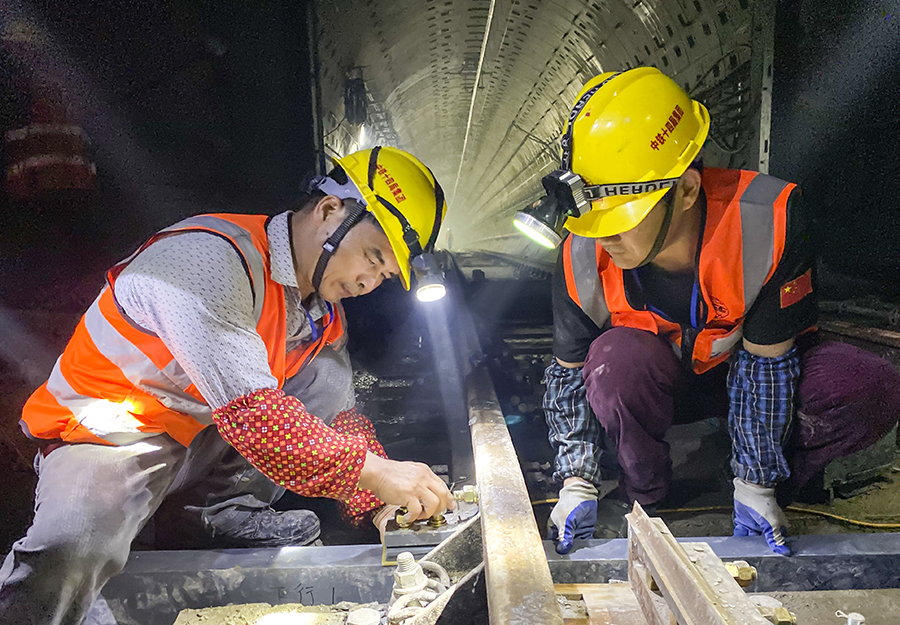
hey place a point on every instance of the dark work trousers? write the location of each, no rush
(848, 399)
(228, 495)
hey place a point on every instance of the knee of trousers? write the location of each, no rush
(72, 552)
(624, 363)
(325, 385)
(842, 377)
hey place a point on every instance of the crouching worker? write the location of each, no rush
(219, 345)
(682, 293)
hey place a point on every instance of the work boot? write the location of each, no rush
(266, 527)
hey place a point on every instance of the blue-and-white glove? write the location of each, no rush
(756, 513)
(575, 513)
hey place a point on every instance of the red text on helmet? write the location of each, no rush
(391, 183)
(670, 125)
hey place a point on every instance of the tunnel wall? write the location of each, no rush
(420, 61)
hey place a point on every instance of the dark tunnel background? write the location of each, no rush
(205, 106)
(835, 123)
(191, 107)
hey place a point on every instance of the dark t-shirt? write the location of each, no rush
(776, 316)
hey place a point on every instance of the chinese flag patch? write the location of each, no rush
(796, 290)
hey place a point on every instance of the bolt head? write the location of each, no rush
(467, 494)
(399, 518)
(742, 572)
(411, 580)
(784, 617)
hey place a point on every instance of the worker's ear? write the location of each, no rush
(329, 209)
(690, 188)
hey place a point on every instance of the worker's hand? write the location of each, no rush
(409, 484)
(384, 514)
(575, 513)
(756, 513)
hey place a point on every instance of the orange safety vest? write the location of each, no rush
(743, 240)
(117, 383)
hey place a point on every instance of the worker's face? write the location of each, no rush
(362, 261)
(630, 248)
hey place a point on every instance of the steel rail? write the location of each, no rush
(519, 586)
(517, 574)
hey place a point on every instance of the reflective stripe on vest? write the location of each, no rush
(581, 260)
(758, 233)
(239, 237)
(117, 383)
(744, 234)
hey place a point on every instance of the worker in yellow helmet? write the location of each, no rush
(685, 292)
(220, 344)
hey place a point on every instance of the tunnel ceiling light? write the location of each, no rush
(429, 278)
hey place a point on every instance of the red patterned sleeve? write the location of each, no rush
(291, 447)
(357, 507)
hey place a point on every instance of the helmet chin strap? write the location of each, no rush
(663, 232)
(355, 213)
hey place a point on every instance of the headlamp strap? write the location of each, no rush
(438, 214)
(663, 232)
(410, 236)
(355, 212)
(601, 191)
(566, 141)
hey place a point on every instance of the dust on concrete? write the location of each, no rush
(264, 614)
(880, 607)
(572, 608)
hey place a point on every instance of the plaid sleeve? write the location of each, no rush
(290, 446)
(575, 432)
(356, 508)
(761, 395)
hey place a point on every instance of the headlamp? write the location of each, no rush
(568, 195)
(429, 278)
(543, 220)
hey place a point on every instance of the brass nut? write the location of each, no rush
(401, 512)
(437, 520)
(777, 616)
(742, 572)
(784, 617)
(467, 494)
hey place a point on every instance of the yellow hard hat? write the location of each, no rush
(404, 196)
(636, 126)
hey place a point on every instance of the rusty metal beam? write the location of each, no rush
(697, 587)
(519, 586)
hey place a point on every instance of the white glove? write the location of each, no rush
(756, 513)
(574, 515)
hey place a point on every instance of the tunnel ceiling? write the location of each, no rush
(421, 60)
